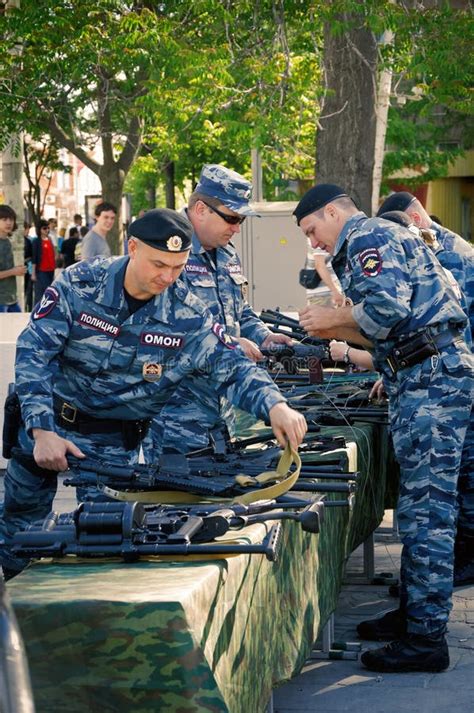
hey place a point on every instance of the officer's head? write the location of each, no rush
(409, 204)
(322, 213)
(401, 218)
(158, 246)
(219, 205)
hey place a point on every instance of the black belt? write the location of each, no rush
(71, 419)
(419, 347)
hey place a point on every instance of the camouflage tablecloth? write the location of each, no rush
(191, 636)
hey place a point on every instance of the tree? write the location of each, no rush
(84, 74)
(41, 159)
(431, 60)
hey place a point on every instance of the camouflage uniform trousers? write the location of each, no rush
(29, 496)
(465, 527)
(429, 416)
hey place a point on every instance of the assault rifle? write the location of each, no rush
(132, 530)
(208, 478)
(281, 324)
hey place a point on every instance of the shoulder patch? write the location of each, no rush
(370, 261)
(222, 336)
(48, 302)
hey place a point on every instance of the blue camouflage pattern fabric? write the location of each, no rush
(399, 289)
(457, 255)
(83, 346)
(195, 409)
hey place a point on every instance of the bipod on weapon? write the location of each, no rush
(132, 530)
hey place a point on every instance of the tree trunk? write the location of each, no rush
(345, 141)
(168, 169)
(112, 180)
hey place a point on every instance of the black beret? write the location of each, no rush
(163, 229)
(397, 216)
(396, 201)
(316, 198)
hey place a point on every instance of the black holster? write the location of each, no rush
(412, 351)
(11, 424)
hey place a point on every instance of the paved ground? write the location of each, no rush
(328, 686)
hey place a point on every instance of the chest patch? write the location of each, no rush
(234, 269)
(49, 300)
(102, 325)
(164, 341)
(222, 335)
(371, 262)
(193, 268)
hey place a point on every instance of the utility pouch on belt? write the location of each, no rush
(412, 351)
(11, 424)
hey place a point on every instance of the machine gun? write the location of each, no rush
(132, 530)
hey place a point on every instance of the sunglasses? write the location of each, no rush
(231, 219)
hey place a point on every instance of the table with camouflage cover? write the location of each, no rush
(189, 636)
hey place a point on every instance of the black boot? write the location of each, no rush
(392, 625)
(411, 653)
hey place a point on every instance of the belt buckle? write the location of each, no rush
(67, 407)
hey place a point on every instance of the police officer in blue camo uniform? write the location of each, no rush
(404, 304)
(217, 208)
(103, 351)
(456, 255)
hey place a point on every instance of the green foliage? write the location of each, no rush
(208, 81)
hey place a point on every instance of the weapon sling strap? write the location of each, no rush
(282, 480)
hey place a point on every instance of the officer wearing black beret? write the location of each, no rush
(163, 229)
(103, 352)
(404, 304)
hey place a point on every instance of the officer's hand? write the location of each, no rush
(275, 339)
(337, 349)
(50, 450)
(249, 348)
(377, 391)
(287, 425)
(317, 320)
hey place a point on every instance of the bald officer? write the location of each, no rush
(404, 304)
(102, 353)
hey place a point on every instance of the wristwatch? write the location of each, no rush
(345, 358)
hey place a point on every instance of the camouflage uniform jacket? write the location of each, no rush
(83, 345)
(220, 284)
(397, 285)
(457, 255)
